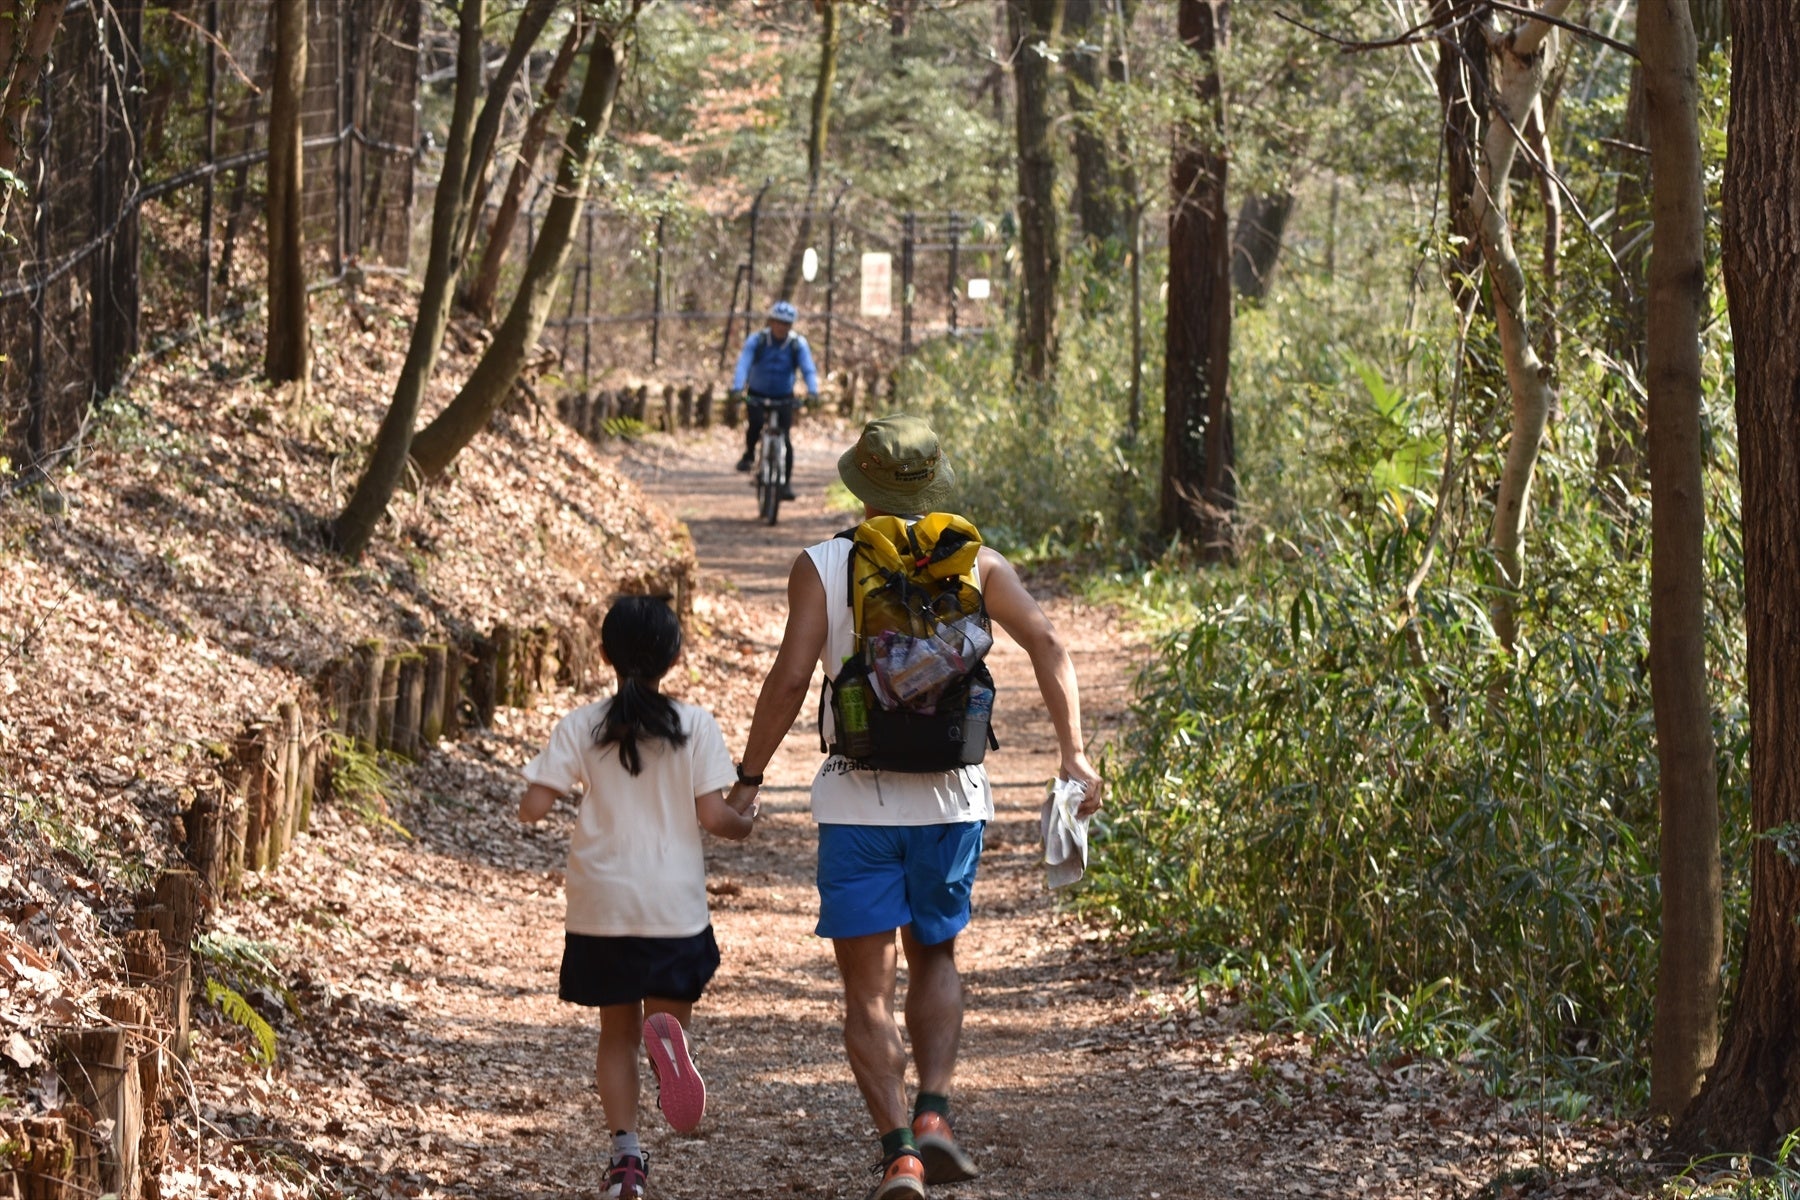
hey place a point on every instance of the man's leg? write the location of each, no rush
(787, 440)
(934, 1010)
(871, 1039)
(753, 422)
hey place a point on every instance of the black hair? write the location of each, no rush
(642, 636)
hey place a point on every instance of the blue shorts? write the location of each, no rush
(877, 878)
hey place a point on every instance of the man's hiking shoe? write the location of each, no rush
(945, 1161)
(680, 1092)
(627, 1178)
(902, 1178)
(745, 462)
(787, 493)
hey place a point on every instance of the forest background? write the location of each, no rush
(1322, 342)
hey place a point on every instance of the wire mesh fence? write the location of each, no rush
(145, 182)
(676, 291)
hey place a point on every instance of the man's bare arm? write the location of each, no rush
(1014, 610)
(784, 691)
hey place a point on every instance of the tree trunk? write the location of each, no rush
(816, 144)
(1199, 480)
(440, 442)
(1498, 112)
(1100, 197)
(466, 151)
(1035, 26)
(288, 347)
(1256, 242)
(1462, 84)
(1693, 939)
(1619, 454)
(21, 62)
(1751, 1098)
(479, 298)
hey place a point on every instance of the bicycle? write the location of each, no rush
(772, 466)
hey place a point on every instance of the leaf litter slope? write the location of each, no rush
(440, 1063)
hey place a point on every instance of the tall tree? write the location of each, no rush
(1035, 26)
(1102, 196)
(816, 143)
(494, 376)
(479, 298)
(288, 347)
(1199, 475)
(27, 30)
(1692, 946)
(1751, 1098)
(466, 150)
(1256, 241)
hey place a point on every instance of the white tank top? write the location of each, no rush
(846, 793)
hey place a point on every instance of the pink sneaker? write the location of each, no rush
(680, 1092)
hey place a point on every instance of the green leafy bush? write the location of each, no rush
(1299, 776)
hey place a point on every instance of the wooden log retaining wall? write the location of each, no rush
(593, 414)
(112, 1134)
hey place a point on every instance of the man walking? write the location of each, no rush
(898, 850)
(765, 377)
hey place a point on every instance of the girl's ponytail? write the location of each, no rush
(642, 637)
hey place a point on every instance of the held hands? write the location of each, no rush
(1078, 768)
(743, 798)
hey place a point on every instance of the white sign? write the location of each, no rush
(877, 285)
(809, 265)
(979, 289)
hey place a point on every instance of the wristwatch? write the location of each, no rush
(748, 780)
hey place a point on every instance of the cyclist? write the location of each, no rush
(765, 376)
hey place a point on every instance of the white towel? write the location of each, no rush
(1065, 834)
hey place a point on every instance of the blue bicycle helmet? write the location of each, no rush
(784, 311)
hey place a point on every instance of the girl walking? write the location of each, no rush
(639, 944)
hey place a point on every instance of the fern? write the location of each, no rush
(628, 429)
(237, 1010)
(362, 783)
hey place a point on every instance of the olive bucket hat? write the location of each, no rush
(897, 467)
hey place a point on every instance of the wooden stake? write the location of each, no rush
(504, 644)
(456, 665)
(409, 704)
(371, 659)
(385, 701)
(99, 1070)
(431, 712)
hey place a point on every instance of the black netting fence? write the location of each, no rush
(143, 215)
(676, 291)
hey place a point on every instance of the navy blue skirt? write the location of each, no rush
(599, 971)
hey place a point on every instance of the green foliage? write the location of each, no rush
(1055, 470)
(362, 782)
(237, 1010)
(626, 429)
(235, 965)
(1299, 776)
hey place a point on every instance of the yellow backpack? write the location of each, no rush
(916, 694)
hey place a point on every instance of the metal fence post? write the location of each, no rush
(750, 287)
(587, 306)
(831, 269)
(212, 156)
(37, 395)
(656, 295)
(955, 245)
(906, 283)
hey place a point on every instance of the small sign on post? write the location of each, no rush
(878, 284)
(979, 289)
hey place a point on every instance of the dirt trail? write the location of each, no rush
(435, 1060)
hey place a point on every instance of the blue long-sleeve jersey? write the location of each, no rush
(766, 367)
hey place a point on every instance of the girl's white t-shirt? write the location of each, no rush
(845, 792)
(636, 865)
